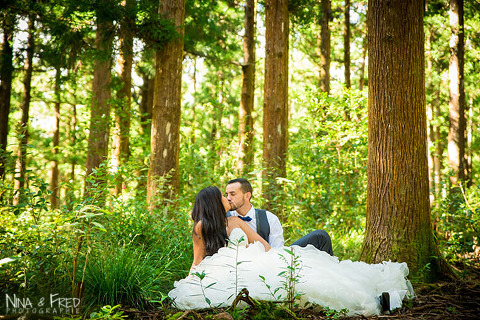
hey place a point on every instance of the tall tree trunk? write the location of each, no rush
(346, 44)
(69, 194)
(275, 107)
(456, 132)
(434, 132)
(193, 125)
(324, 45)
(121, 140)
(146, 104)
(54, 183)
(438, 149)
(217, 115)
(245, 148)
(165, 137)
(398, 225)
(364, 58)
(27, 82)
(6, 71)
(145, 109)
(431, 115)
(100, 109)
(468, 143)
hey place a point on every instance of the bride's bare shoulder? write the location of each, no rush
(233, 219)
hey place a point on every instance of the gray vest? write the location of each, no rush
(263, 227)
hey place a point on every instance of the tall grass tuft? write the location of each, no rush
(122, 275)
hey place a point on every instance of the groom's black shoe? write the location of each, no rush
(385, 302)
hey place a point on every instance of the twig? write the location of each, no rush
(243, 295)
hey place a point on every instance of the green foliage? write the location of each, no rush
(108, 312)
(121, 275)
(458, 223)
(105, 313)
(327, 170)
(155, 30)
(334, 314)
(304, 12)
(55, 250)
(215, 36)
(31, 235)
(270, 310)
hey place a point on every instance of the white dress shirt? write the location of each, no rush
(275, 239)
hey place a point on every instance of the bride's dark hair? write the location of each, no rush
(209, 209)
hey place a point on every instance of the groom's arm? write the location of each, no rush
(275, 238)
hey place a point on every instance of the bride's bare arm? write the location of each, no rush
(251, 235)
(198, 245)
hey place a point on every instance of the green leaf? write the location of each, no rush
(211, 284)
(200, 275)
(99, 226)
(8, 260)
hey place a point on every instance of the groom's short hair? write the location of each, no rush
(245, 186)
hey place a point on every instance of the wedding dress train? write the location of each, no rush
(317, 278)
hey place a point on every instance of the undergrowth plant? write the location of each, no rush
(201, 276)
(235, 245)
(291, 276)
(105, 313)
(457, 223)
(123, 275)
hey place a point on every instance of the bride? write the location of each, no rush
(229, 256)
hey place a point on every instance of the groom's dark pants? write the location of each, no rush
(319, 239)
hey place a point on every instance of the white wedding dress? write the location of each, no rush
(320, 278)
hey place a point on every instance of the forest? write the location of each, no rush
(360, 118)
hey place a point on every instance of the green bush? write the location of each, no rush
(458, 223)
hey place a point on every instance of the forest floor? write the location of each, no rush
(459, 299)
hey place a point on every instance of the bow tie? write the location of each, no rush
(245, 218)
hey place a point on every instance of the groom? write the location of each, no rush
(266, 224)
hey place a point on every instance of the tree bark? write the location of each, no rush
(165, 137)
(468, 143)
(214, 153)
(121, 140)
(245, 148)
(23, 130)
(100, 110)
(6, 72)
(324, 44)
(275, 108)
(146, 104)
(145, 109)
(434, 134)
(54, 182)
(456, 132)
(69, 194)
(346, 44)
(398, 225)
(431, 114)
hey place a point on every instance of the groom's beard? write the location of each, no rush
(236, 206)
